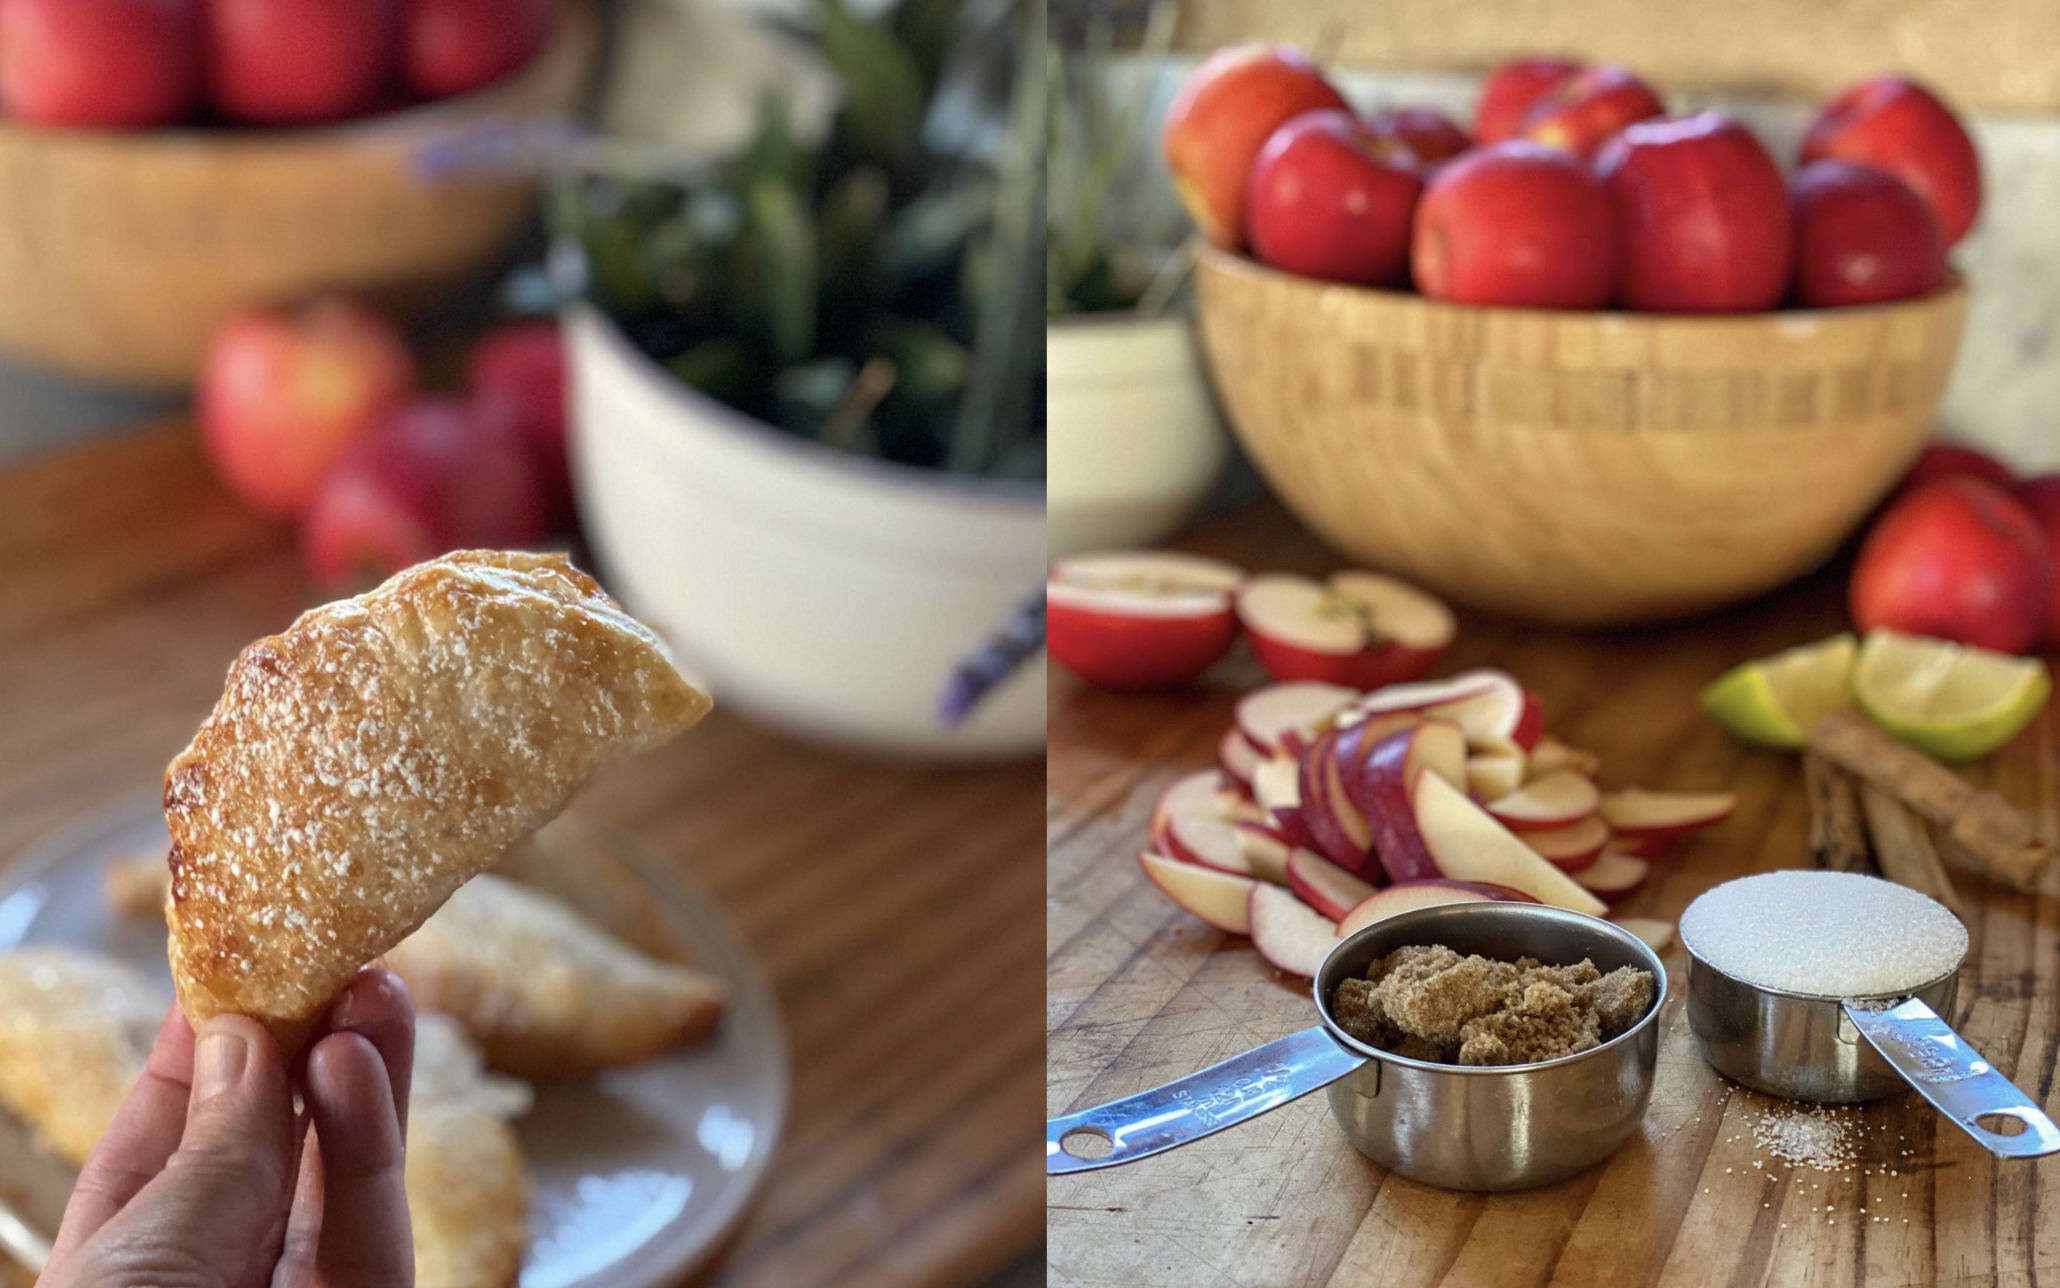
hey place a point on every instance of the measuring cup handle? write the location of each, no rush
(1951, 1074)
(1190, 1108)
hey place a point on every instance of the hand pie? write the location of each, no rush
(383, 750)
(75, 1033)
(468, 1197)
(572, 862)
(545, 992)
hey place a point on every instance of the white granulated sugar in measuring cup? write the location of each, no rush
(1834, 934)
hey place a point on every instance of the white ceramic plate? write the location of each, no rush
(635, 1176)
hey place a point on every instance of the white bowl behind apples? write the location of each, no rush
(825, 594)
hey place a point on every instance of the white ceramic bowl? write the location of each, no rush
(1134, 444)
(828, 595)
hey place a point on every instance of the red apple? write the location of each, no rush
(293, 62)
(1323, 885)
(1862, 236)
(1432, 746)
(451, 46)
(1289, 933)
(1959, 559)
(1388, 783)
(2041, 498)
(1272, 716)
(1330, 199)
(1222, 117)
(1428, 133)
(432, 476)
(1512, 90)
(100, 63)
(522, 367)
(1943, 460)
(1581, 113)
(1703, 214)
(1140, 619)
(282, 393)
(1516, 224)
(1896, 125)
(1358, 629)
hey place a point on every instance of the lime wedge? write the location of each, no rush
(1952, 701)
(1777, 700)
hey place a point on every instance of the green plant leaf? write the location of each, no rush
(885, 90)
(785, 241)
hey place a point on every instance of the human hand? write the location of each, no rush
(209, 1178)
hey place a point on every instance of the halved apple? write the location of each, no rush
(1551, 755)
(1140, 619)
(1238, 758)
(1283, 716)
(1637, 812)
(1571, 848)
(1287, 932)
(1357, 628)
(1495, 774)
(1411, 895)
(1323, 885)
(1615, 874)
(1558, 799)
(1219, 898)
(1466, 844)
(1338, 824)
(1655, 935)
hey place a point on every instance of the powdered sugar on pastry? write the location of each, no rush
(381, 751)
(75, 1033)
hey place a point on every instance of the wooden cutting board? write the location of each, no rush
(1138, 992)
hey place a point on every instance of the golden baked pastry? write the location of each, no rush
(75, 1033)
(364, 764)
(546, 993)
(468, 1198)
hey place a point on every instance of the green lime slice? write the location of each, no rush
(1777, 700)
(1952, 701)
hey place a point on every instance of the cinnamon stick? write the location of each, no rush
(1903, 848)
(1838, 836)
(1995, 837)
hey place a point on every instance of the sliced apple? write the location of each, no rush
(1140, 619)
(1357, 628)
(1278, 716)
(1645, 847)
(1423, 695)
(1499, 715)
(1340, 827)
(1219, 898)
(1276, 783)
(1571, 848)
(1465, 843)
(1390, 809)
(1323, 885)
(1195, 794)
(1288, 932)
(1559, 799)
(1411, 895)
(1551, 755)
(1265, 848)
(1655, 935)
(1615, 874)
(1242, 849)
(1495, 774)
(1238, 758)
(1293, 829)
(1637, 812)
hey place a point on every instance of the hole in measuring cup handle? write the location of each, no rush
(1088, 1143)
(2003, 1122)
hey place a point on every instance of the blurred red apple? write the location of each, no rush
(1862, 236)
(1425, 131)
(282, 393)
(1703, 214)
(1944, 460)
(1331, 199)
(1516, 224)
(294, 62)
(1222, 117)
(522, 367)
(1585, 111)
(451, 46)
(104, 63)
(1896, 125)
(1959, 559)
(433, 475)
(2041, 499)
(1512, 90)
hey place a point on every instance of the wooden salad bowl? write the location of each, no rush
(1580, 468)
(122, 251)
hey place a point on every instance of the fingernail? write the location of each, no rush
(218, 1064)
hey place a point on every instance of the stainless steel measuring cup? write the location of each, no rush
(1809, 1046)
(1463, 1127)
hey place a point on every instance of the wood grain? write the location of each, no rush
(891, 905)
(1138, 992)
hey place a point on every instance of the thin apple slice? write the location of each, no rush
(1209, 843)
(1278, 714)
(1276, 783)
(1288, 932)
(1467, 844)
(1500, 714)
(1411, 895)
(1266, 849)
(1571, 848)
(1423, 695)
(1191, 795)
(1219, 898)
(1655, 935)
(1324, 885)
(1293, 828)
(1495, 774)
(1557, 800)
(1390, 810)
(1637, 812)
(1340, 828)
(1239, 761)
(1551, 755)
(1356, 742)
(1645, 847)
(1615, 875)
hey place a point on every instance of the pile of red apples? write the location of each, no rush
(1335, 808)
(1574, 189)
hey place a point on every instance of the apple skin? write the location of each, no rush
(522, 366)
(2041, 497)
(109, 64)
(1584, 111)
(1222, 117)
(1703, 215)
(1516, 224)
(1122, 651)
(296, 62)
(1430, 135)
(282, 393)
(1329, 199)
(1896, 125)
(1862, 236)
(1512, 90)
(453, 46)
(1958, 559)
(1944, 460)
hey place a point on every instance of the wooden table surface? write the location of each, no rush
(892, 906)
(1139, 992)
